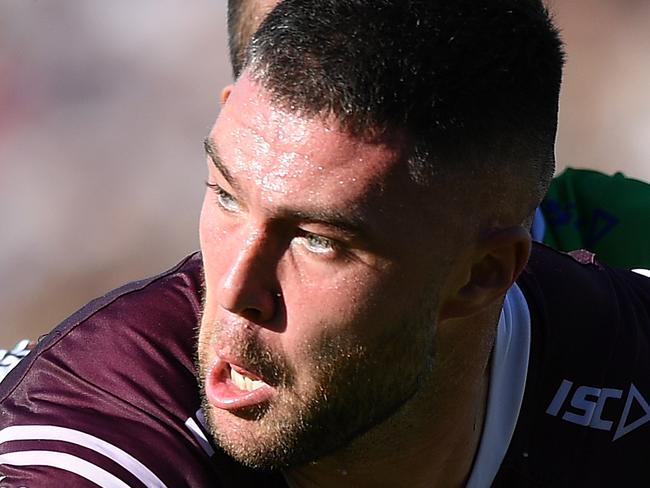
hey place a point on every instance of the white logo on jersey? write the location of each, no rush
(587, 404)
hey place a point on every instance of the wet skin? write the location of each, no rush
(326, 271)
(309, 238)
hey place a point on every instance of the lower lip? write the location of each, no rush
(223, 393)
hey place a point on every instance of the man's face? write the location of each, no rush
(321, 283)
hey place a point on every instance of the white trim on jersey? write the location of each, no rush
(198, 434)
(66, 462)
(54, 433)
(641, 271)
(506, 391)
(10, 359)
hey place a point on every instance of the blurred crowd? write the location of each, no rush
(104, 105)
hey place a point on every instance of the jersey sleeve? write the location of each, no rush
(109, 397)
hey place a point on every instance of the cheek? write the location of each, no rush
(208, 230)
(327, 306)
(211, 238)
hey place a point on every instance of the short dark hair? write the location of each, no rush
(238, 34)
(475, 83)
(244, 17)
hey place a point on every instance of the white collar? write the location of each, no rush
(506, 390)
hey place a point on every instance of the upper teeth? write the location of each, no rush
(243, 382)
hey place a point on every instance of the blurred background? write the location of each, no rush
(104, 105)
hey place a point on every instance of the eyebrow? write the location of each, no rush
(213, 153)
(352, 225)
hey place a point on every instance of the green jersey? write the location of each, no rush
(607, 215)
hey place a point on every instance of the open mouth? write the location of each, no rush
(231, 387)
(243, 380)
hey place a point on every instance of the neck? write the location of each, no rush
(431, 440)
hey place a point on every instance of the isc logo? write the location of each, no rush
(587, 404)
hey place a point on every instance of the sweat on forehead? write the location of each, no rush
(288, 126)
(271, 145)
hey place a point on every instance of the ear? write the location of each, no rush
(485, 274)
(225, 93)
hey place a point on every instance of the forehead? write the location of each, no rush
(282, 152)
(282, 163)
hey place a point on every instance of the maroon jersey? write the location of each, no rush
(110, 398)
(585, 417)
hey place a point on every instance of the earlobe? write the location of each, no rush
(487, 273)
(225, 93)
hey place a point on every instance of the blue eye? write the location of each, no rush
(318, 244)
(224, 199)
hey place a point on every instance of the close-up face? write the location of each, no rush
(321, 282)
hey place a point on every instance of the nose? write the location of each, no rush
(250, 287)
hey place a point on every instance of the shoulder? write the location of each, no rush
(587, 388)
(579, 291)
(134, 321)
(111, 392)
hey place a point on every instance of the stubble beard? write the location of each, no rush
(351, 388)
